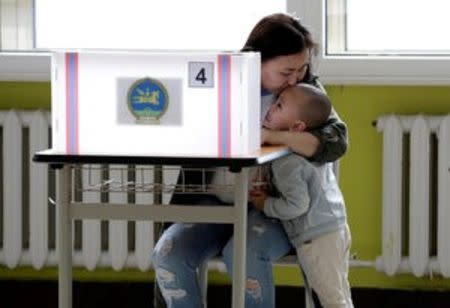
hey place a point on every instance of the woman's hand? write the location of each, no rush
(258, 197)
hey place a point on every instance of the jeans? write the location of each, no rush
(183, 247)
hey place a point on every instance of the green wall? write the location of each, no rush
(25, 95)
(360, 176)
(361, 172)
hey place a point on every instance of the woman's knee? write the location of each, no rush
(167, 251)
(162, 254)
(180, 246)
(256, 256)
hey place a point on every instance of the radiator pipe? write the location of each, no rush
(217, 265)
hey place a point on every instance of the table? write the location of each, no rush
(236, 215)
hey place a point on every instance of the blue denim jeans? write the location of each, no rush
(184, 247)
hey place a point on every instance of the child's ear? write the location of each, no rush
(299, 126)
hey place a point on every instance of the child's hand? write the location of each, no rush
(265, 136)
(258, 197)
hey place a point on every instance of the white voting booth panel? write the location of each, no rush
(150, 103)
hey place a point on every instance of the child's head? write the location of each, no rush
(298, 108)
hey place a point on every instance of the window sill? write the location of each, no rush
(25, 66)
(384, 70)
(36, 66)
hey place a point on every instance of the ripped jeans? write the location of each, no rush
(183, 247)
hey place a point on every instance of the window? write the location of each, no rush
(379, 42)
(386, 27)
(149, 24)
(29, 26)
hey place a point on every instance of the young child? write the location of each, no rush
(307, 199)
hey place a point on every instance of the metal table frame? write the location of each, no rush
(236, 215)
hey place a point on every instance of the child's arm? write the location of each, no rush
(290, 179)
(258, 198)
(303, 143)
(324, 144)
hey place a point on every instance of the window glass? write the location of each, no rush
(388, 27)
(149, 24)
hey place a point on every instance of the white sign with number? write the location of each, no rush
(201, 74)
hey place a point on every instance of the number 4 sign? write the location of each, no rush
(201, 74)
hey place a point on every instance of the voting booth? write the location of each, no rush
(127, 124)
(156, 103)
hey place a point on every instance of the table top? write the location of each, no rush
(262, 156)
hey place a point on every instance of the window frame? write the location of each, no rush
(367, 70)
(25, 66)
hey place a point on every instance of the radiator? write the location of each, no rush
(416, 195)
(27, 215)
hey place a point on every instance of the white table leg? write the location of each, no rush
(64, 237)
(240, 238)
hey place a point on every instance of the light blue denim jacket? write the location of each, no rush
(310, 202)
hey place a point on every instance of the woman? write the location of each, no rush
(286, 49)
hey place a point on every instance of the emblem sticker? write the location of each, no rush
(147, 100)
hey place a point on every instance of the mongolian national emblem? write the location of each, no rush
(147, 100)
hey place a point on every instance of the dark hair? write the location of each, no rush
(316, 108)
(280, 35)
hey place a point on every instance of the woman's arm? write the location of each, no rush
(333, 136)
